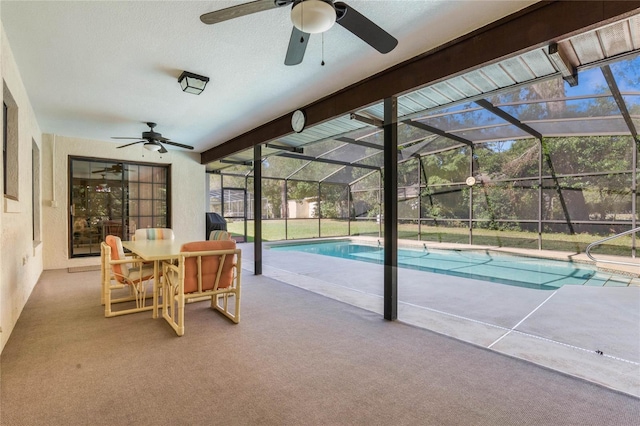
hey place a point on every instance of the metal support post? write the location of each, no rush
(390, 208)
(257, 209)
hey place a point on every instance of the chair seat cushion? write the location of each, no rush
(136, 274)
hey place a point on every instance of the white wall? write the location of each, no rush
(20, 258)
(188, 206)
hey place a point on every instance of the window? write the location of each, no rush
(10, 145)
(114, 198)
(35, 183)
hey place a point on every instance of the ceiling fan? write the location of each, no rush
(311, 17)
(153, 141)
(115, 169)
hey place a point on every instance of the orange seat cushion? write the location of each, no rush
(209, 265)
(117, 253)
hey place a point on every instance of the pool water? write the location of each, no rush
(484, 265)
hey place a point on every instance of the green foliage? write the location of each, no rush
(583, 179)
(448, 166)
(299, 191)
(334, 201)
(273, 190)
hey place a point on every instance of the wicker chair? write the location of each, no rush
(119, 272)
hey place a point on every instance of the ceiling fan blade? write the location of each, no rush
(364, 28)
(241, 10)
(162, 149)
(177, 144)
(124, 137)
(297, 47)
(129, 144)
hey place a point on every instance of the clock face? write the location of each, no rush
(298, 120)
(471, 181)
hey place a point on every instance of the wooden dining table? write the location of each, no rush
(154, 251)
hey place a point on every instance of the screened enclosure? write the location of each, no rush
(484, 158)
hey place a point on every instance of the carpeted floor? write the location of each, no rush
(296, 358)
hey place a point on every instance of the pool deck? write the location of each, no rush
(585, 331)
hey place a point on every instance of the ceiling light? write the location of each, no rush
(568, 71)
(192, 83)
(150, 146)
(313, 16)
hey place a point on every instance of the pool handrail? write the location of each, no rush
(597, 243)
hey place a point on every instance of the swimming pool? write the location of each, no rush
(484, 265)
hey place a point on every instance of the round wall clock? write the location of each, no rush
(298, 120)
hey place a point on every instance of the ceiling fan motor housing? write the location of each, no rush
(151, 135)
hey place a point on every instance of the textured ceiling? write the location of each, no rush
(96, 69)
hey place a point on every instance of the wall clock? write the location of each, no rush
(298, 120)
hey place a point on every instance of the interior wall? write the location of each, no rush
(20, 258)
(187, 186)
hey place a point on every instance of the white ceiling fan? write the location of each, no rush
(311, 17)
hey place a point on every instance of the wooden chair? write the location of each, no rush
(112, 227)
(204, 268)
(153, 234)
(120, 272)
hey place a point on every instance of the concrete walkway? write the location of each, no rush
(588, 332)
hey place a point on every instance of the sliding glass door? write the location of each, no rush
(114, 198)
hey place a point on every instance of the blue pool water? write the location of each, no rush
(478, 264)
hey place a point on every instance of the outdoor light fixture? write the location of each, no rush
(313, 16)
(192, 83)
(568, 71)
(150, 146)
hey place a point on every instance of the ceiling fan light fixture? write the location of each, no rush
(313, 16)
(150, 146)
(192, 83)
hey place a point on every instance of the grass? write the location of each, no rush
(276, 230)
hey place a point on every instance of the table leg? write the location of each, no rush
(156, 286)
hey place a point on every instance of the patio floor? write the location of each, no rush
(588, 332)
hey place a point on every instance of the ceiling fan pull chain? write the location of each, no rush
(322, 63)
(302, 19)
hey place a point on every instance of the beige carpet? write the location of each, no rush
(296, 358)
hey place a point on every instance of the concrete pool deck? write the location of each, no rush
(587, 332)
